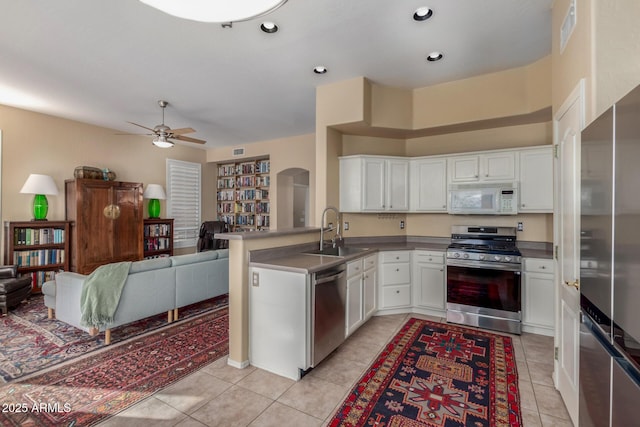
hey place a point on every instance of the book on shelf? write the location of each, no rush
(37, 236)
(38, 257)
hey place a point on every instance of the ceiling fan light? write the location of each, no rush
(162, 142)
(219, 11)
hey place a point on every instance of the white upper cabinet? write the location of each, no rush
(397, 185)
(499, 166)
(374, 184)
(428, 184)
(536, 180)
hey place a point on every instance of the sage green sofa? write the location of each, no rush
(153, 286)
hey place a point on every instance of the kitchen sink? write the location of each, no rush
(339, 251)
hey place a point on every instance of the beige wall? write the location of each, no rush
(38, 143)
(284, 153)
(484, 139)
(574, 62)
(616, 50)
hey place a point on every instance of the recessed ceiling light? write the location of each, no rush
(422, 13)
(269, 27)
(320, 69)
(434, 56)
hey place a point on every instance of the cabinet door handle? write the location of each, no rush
(397, 269)
(543, 267)
(430, 259)
(397, 292)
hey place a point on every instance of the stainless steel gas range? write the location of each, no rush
(484, 278)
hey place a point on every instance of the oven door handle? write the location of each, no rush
(482, 265)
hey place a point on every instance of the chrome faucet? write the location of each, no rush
(337, 239)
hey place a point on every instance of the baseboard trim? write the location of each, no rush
(239, 365)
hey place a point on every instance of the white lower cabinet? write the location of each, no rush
(370, 282)
(538, 296)
(279, 307)
(354, 315)
(429, 286)
(394, 287)
(361, 292)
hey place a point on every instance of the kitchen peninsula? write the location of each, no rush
(406, 274)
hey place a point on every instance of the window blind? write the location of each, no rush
(183, 201)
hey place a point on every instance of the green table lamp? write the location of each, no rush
(41, 186)
(155, 193)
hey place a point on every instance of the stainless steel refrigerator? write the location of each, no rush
(610, 267)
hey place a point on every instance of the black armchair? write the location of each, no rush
(13, 289)
(206, 241)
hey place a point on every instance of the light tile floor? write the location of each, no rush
(220, 395)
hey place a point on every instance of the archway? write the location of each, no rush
(293, 198)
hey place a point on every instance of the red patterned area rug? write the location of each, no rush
(436, 374)
(30, 342)
(89, 390)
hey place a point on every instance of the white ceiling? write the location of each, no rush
(109, 62)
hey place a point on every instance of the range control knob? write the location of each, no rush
(497, 257)
(481, 256)
(465, 256)
(456, 255)
(507, 259)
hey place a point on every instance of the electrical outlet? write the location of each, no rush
(520, 226)
(401, 225)
(346, 226)
(255, 279)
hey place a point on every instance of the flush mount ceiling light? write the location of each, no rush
(320, 69)
(269, 27)
(434, 56)
(220, 11)
(422, 13)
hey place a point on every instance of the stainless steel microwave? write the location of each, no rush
(484, 199)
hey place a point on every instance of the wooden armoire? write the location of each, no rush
(107, 222)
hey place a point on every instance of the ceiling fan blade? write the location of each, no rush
(144, 127)
(182, 131)
(138, 134)
(189, 139)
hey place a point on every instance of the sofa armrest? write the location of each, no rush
(8, 271)
(68, 293)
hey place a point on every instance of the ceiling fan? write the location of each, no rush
(163, 134)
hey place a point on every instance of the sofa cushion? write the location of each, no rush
(223, 253)
(193, 258)
(149, 264)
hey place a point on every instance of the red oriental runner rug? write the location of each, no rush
(87, 391)
(436, 374)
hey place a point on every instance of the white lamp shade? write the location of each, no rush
(40, 184)
(220, 11)
(154, 191)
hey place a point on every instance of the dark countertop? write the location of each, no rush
(291, 258)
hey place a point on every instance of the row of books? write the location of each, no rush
(157, 230)
(252, 194)
(38, 278)
(38, 257)
(157, 244)
(262, 166)
(226, 182)
(226, 195)
(38, 236)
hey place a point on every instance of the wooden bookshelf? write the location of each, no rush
(39, 249)
(243, 194)
(158, 237)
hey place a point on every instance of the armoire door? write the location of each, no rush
(127, 227)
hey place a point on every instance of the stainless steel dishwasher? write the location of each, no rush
(329, 304)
